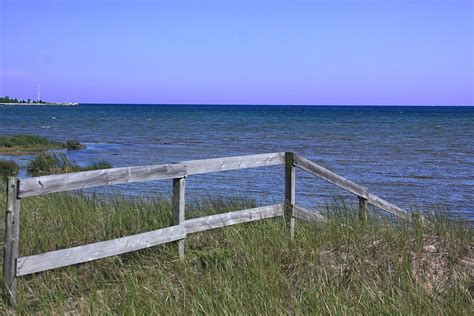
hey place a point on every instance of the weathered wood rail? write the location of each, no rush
(14, 265)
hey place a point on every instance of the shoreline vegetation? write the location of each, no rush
(9, 101)
(45, 163)
(342, 266)
(55, 163)
(26, 144)
(8, 168)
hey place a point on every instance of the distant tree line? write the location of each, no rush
(7, 99)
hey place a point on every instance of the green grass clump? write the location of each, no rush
(32, 143)
(97, 166)
(74, 145)
(341, 266)
(54, 163)
(8, 168)
(27, 141)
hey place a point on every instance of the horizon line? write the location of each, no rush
(262, 104)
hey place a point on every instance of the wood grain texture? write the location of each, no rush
(10, 242)
(350, 186)
(330, 176)
(88, 179)
(103, 249)
(307, 215)
(290, 176)
(178, 208)
(388, 207)
(362, 209)
(226, 219)
(233, 163)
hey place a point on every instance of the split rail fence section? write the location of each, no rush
(15, 266)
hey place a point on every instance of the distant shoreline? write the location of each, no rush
(236, 105)
(285, 105)
(47, 103)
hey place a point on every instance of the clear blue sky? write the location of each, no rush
(239, 52)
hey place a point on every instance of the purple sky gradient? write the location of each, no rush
(239, 52)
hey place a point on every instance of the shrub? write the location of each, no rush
(74, 145)
(47, 163)
(53, 163)
(8, 168)
(27, 141)
(99, 165)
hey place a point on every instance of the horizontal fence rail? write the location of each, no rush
(66, 257)
(99, 250)
(329, 176)
(14, 266)
(388, 207)
(220, 220)
(307, 215)
(95, 178)
(349, 186)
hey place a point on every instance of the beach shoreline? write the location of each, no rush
(38, 104)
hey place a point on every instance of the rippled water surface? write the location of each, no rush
(415, 157)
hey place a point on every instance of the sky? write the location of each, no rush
(239, 52)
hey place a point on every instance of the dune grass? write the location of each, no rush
(340, 267)
(27, 142)
(8, 168)
(18, 144)
(74, 145)
(54, 163)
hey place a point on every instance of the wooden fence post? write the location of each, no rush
(290, 192)
(10, 242)
(178, 208)
(362, 209)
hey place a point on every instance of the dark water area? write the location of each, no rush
(414, 157)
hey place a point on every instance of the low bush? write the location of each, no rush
(54, 163)
(35, 143)
(8, 168)
(74, 145)
(98, 165)
(27, 141)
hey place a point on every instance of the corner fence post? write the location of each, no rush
(362, 209)
(290, 192)
(178, 208)
(10, 242)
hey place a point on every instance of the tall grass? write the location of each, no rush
(54, 163)
(8, 168)
(74, 145)
(34, 143)
(340, 267)
(27, 141)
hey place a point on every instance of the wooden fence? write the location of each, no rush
(14, 266)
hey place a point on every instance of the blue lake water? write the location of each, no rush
(414, 157)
